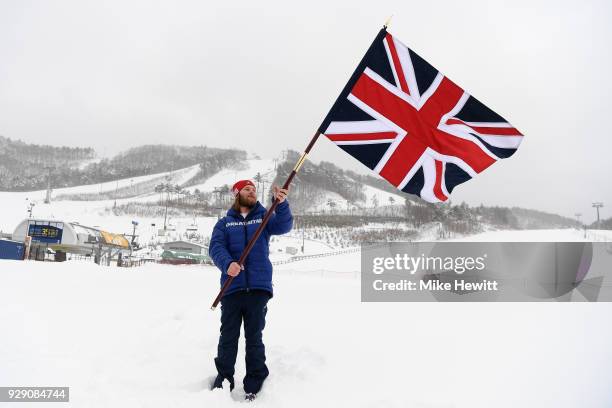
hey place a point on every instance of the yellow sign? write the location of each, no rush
(115, 239)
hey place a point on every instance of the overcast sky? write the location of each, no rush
(262, 75)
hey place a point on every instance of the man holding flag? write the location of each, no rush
(250, 283)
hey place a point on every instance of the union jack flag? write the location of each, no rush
(416, 128)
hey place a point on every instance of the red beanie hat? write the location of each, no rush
(240, 184)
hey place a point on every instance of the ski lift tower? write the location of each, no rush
(31, 205)
(597, 206)
(134, 224)
(48, 196)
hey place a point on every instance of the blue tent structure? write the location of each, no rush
(11, 249)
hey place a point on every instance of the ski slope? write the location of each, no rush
(228, 176)
(320, 204)
(91, 213)
(98, 212)
(145, 337)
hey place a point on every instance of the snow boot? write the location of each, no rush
(218, 383)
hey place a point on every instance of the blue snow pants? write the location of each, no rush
(250, 307)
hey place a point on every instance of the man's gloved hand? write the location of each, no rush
(234, 269)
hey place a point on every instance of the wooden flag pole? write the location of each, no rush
(266, 218)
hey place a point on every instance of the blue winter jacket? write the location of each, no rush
(232, 234)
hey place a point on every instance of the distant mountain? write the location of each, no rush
(318, 180)
(25, 166)
(534, 219)
(151, 159)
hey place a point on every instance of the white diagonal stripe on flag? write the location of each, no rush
(406, 62)
(505, 142)
(429, 174)
(391, 64)
(362, 142)
(360, 126)
(452, 159)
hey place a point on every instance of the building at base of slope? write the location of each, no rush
(62, 238)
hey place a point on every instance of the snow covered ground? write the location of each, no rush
(554, 235)
(145, 337)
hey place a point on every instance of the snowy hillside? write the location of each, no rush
(179, 177)
(92, 205)
(145, 337)
(91, 212)
(114, 205)
(330, 202)
(229, 176)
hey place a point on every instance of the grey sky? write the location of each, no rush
(262, 75)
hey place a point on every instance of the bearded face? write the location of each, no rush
(247, 197)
